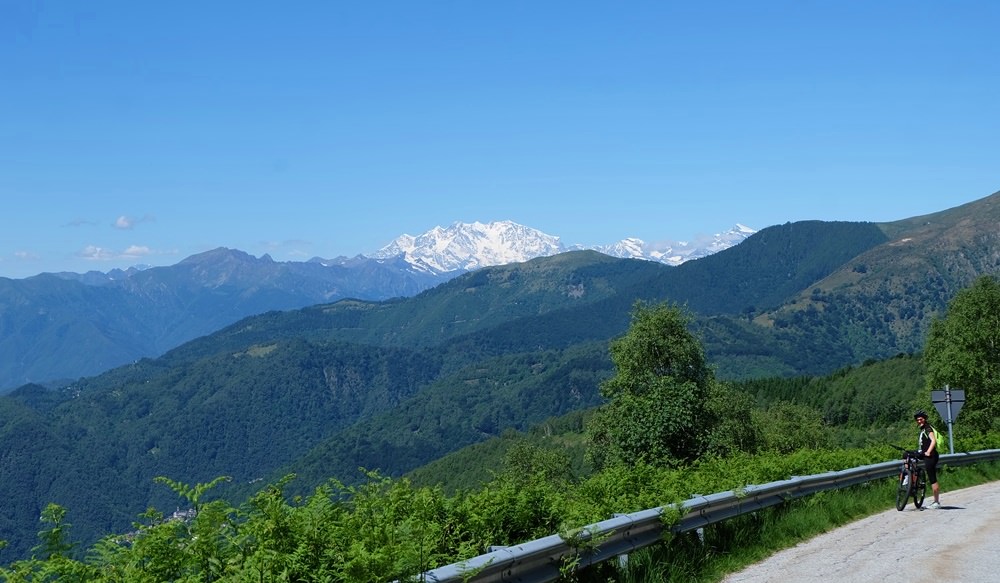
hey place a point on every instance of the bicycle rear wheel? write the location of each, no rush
(903, 490)
(919, 489)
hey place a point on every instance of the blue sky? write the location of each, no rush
(142, 133)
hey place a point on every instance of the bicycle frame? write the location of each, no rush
(912, 480)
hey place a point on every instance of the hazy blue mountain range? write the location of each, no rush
(67, 325)
(391, 385)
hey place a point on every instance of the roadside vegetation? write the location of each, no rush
(668, 430)
(742, 541)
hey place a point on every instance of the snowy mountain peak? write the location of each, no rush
(677, 252)
(468, 246)
(630, 248)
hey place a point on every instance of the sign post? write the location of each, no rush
(948, 403)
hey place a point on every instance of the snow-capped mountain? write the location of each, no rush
(677, 252)
(468, 246)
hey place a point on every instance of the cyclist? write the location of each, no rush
(927, 445)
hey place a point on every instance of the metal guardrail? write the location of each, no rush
(541, 560)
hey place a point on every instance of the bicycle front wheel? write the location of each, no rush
(903, 490)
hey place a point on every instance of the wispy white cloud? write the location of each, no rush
(136, 252)
(27, 255)
(125, 222)
(95, 253)
(80, 223)
(131, 253)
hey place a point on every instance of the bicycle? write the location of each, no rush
(912, 479)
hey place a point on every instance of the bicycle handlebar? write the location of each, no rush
(909, 452)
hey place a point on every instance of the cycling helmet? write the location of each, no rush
(920, 414)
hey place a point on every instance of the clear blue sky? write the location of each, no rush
(136, 132)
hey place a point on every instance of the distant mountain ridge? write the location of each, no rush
(389, 385)
(677, 252)
(67, 325)
(468, 246)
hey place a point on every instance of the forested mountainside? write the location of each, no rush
(63, 326)
(391, 385)
(867, 404)
(68, 325)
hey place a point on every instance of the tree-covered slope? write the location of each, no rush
(869, 404)
(882, 302)
(768, 268)
(239, 414)
(467, 406)
(392, 385)
(59, 326)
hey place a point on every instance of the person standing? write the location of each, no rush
(927, 445)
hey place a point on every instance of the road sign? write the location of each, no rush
(948, 403)
(942, 399)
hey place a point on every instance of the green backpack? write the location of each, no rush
(939, 440)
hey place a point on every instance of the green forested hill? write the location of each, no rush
(238, 414)
(462, 408)
(271, 389)
(882, 301)
(391, 386)
(869, 404)
(768, 268)
(60, 326)
(874, 394)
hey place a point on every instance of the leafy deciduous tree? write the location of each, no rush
(731, 428)
(787, 427)
(657, 411)
(963, 351)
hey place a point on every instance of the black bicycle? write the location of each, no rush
(912, 479)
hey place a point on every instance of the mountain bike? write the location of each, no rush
(912, 480)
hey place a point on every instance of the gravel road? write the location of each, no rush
(958, 542)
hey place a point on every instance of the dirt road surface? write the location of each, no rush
(958, 542)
